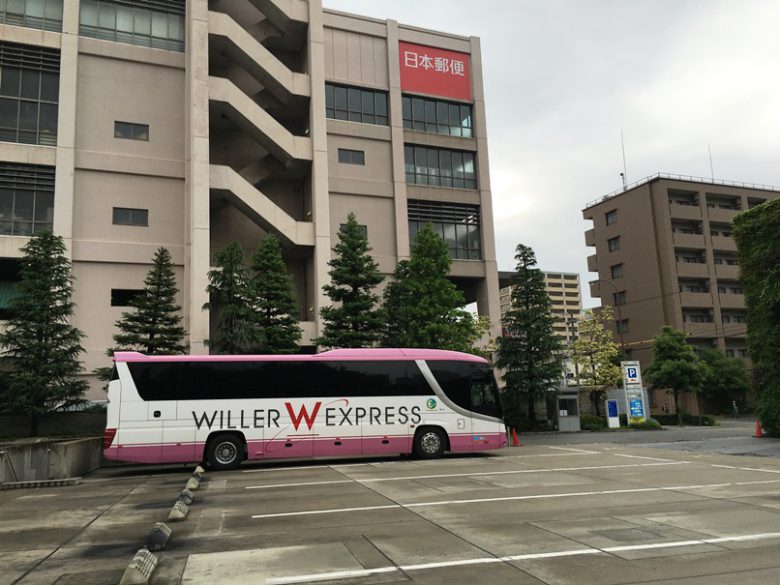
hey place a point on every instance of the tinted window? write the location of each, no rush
(230, 380)
(469, 385)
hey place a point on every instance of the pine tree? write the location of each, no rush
(228, 290)
(595, 354)
(154, 327)
(423, 308)
(354, 274)
(41, 346)
(272, 297)
(528, 352)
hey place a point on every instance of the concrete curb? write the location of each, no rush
(40, 483)
(157, 539)
(178, 512)
(192, 484)
(186, 496)
(140, 569)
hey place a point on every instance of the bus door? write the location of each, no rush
(484, 400)
(138, 438)
(176, 433)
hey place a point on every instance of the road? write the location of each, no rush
(600, 512)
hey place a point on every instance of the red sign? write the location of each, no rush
(435, 71)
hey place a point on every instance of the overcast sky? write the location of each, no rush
(564, 77)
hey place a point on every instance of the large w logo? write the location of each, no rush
(303, 414)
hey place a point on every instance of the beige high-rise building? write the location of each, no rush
(563, 288)
(129, 125)
(665, 255)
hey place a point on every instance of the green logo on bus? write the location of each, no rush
(431, 403)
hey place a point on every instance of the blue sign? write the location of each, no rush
(612, 408)
(631, 373)
(637, 408)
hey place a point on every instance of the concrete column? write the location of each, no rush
(320, 196)
(487, 291)
(197, 250)
(64, 177)
(395, 107)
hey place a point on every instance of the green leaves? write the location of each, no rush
(353, 320)
(423, 308)
(154, 327)
(529, 352)
(757, 232)
(41, 347)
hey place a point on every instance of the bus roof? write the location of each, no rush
(332, 355)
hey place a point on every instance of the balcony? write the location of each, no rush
(592, 265)
(722, 215)
(590, 237)
(734, 330)
(706, 330)
(692, 270)
(696, 300)
(684, 211)
(727, 271)
(732, 301)
(693, 241)
(724, 244)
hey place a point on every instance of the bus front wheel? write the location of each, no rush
(429, 443)
(225, 452)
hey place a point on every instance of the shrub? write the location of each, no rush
(647, 425)
(687, 419)
(589, 422)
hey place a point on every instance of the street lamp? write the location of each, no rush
(619, 316)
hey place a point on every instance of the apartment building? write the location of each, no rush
(665, 255)
(129, 125)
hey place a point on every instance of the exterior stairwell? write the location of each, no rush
(283, 12)
(259, 208)
(258, 123)
(256, 59)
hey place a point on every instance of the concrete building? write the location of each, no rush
(563, 288)
(126, 126)
(665, 255)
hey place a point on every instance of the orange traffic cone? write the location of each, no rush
(515, 440)
(759, 432)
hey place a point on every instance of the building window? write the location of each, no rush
(441, 117)
(42, 14)
(352, 157)
(26, 199)
(616, 271)
(613, 244)
(743, 353)
(555, 284)
(29, 92)
(363, 229)
(158, 24)
(129, 216)
(9, 285)
(124, 297)
(611, 217)
(131, 131)
(458, 225)
(356, 105)
(440, 167)
(619, 298)
(622, 326)
(730, 353)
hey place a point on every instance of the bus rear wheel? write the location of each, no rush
(429, 443)
(225, 452)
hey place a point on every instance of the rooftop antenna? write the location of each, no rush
(624, 174)
(712, 171)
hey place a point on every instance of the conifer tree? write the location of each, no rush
(154, 327)
(228, 290)
(423, 308)
(272, 298)
(354, 321)
(528, 352)
(41, 347)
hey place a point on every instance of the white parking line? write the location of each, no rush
(746, 468)
(296, 484)
(574, 450)
(513, 498)
(473, 474)
(524, 557)
(641, 457)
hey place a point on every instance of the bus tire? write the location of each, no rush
(429, 443)
(225, 452)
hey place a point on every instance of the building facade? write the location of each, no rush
(130, 125)
(665, 255)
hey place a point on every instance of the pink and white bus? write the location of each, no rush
(343, 402)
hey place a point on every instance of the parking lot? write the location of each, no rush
(556, 514)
